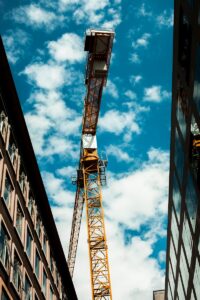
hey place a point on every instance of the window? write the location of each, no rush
(7, 195)
(22, 181)
(45, 243)
(12, 150)
(179, 156)
(173, 257)
(4, 295)
(38, 226)
(5, 253)
(17, 273)
(37, 264)
(19, 220)
(28, 243)
(196, 91)
(191, 201)
(31, 204)
(182, 111)
(180, 289)
(184, 270)
(184, 45)
(174, 231)
(51, 294)
(176, 198)
(27, 289)
(196, 279)
(195, 149)
(171, 278)
(3, 124)
(187, 239)
(44, 283)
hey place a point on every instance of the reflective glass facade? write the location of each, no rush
(183, 246)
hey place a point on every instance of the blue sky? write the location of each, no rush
(44, 41)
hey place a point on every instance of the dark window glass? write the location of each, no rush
(179, 156)
(184, 46)
(19, 220)
(51, 293)
(44, 283)
(176, 197)
(4, 295)
(27, 289)
(191, 3)
(7, 191)
(22, 180)
(28, 243)
(31, 206)
(182, 112)
(5, 253)
(37, 264)
(196, 92)
(12, 149)
(45, 243)
(17, 273)
(38, 226)
(195, 149)
(191, 201)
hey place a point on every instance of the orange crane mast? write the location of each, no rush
(91, 172)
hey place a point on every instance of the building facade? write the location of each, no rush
(32, 261)
(183, 246)
(159, 295)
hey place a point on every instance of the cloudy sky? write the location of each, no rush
(44, 42)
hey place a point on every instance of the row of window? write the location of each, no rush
(14, 206)
(13, 265)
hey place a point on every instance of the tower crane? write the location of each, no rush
(91, 171)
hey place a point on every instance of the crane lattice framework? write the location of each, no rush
(91, 172)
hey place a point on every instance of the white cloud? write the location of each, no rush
(150, 179)
(134, 79)
(50, 123)
(118, 153)
(48, 76)
(143, 11)
(111, 89)
(134, 58)
(155, 94)
(166, 19)
(143, 41)
(120, 122)
(67, 48)
(36, 16)
(15, 42)
(130, 94)
(68, 171)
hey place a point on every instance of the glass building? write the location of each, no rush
(183, 246)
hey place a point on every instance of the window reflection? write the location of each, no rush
(171, 278)
(179, 156)
(175, 231)
(196, 93)
(195, 149)
(173, 257)
(180, 289)
(191, 201)
(184, 270)
(196, 280)
(176, 197)
(187, 239)
(182, 111)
